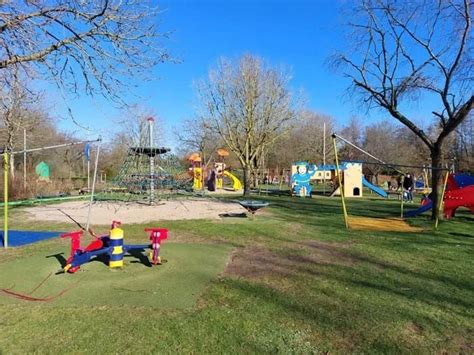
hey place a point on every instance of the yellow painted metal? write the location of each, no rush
(441, 199)
(118, 250)
(198, 179)
(116, 233)
(6, 161)
(114, 264)
(341, 187)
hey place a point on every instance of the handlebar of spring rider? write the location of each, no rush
(157, 234)
(75, 239)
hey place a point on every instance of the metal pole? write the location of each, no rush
(5, 199)
(24, 159)
(152, 161)
(324, 158)
(341, 188)
(366, 153)
(88, 174)
(402, 196)
(53, 147)
(93, 187)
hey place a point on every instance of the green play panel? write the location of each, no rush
(176, 284)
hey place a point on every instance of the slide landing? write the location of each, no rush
(237, 184)
(376, 189)
(418, 211)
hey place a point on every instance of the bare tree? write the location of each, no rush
(248, 104)
(381, 141)
(304, 141)
(96, 46)
(15, 105)
(405, 50)
(354, 132)
(462, 149)
(194, 135)
(135, 127)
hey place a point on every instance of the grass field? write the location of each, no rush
(291, 279)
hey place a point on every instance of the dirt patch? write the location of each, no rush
(104, 212)
(331, 253)
(459, 344)
(413, 328)
(258, 262)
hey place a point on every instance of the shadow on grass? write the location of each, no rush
(349, 268)
(60, 259)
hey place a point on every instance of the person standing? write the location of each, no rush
(211, 182)
(408, 185)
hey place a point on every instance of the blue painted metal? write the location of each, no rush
(418, 211)
(463, 180)
(83, 258)
(376, 189)
(18, 238)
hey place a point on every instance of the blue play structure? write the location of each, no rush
(463, 180)
(419, 184)
(301, 180)
(378, 190)
(418, 211)
(19, 238)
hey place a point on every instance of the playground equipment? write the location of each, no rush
(148, 171)
(112, 247)
(351, 176)
(199, 175)
(352, 179)
(42, 171)
(252, 206)
(196, 169)
(301, 173)
(236, 184)
(378, 190)
(6, 166)
(459, 192)
(380, 224)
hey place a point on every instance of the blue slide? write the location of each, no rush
(418, 211)
(376, 189)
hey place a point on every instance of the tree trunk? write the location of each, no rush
(435, 179)
(12, 165)
(247, 180)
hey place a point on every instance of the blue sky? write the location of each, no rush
(299, 34)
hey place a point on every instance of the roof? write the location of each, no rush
(151, 152)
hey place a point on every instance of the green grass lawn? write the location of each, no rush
(291, 279)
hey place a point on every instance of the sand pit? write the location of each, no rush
(105, 212)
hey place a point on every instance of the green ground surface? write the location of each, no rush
(187, 270)
(296, 281)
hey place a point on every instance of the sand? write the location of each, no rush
(104, 212)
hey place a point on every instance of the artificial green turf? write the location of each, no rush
(314, 287)
(175, 284)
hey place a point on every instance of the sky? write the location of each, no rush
(299, 34)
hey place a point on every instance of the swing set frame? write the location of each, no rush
(335, 137)
(6, 166)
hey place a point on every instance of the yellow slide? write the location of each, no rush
(237, 184)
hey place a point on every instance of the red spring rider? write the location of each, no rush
(156, 236)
